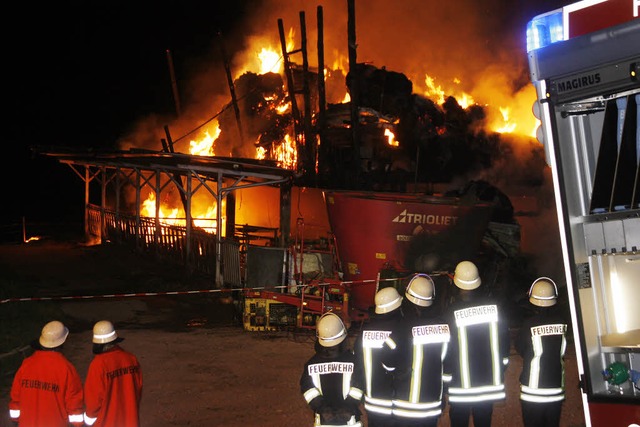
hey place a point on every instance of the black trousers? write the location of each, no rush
(481, 412)
(541, 414)
(378, 420)
(412, 422)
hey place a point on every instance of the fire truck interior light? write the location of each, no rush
(544, 30)
(622, 273)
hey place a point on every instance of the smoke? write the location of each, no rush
(448, 40)
(465, 46)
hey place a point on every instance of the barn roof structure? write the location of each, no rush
(108, 171)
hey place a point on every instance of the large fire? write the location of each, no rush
(510, 114)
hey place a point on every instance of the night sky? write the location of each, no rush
(81, 75)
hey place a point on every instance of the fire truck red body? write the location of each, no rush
(584, 62)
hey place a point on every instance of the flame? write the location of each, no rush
(508, 126)
(167, 215)
(204, 213)
(266, 58)
(269, 61)
(391, 138)
(341, 62)
(286, 153)
(433, 91)
(512, 119)
(205, 147)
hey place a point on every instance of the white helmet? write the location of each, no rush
(421, 290)
(104, 332)
(53, 334)
(387, 300)
(543, 292)
(330, 330)
(466, 276)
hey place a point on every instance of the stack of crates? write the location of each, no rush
(262, 314)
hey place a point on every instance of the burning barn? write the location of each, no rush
(282, 176)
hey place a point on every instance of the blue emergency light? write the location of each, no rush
(544, 30)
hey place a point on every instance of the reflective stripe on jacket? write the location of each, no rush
(418, 379)
(478, 353)
(329, 384)
(372, 348)
(542, 343)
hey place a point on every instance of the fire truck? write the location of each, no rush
(584, 62)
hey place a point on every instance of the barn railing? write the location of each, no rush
(169, 243)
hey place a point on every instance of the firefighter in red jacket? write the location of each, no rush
(478, 352)
(542, 342)
(47, 390)
(328, 382)
(113, 387)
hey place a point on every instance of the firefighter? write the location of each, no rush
(542, 342)
(372, 349)
(418, 377)
(47, 390)
(478, 353)
(113, 386)
(328, 382)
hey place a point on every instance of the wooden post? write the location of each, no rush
(174, 85)
(291, 88)
(322, 98)
(232, 90)
(355, 90)
(309, 142)
(176, 176)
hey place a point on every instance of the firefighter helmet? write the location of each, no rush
(330, 330)
(466, 276)
(104, 332)
(543, 292)
(387, 299)
(421, 290)
(53, 334)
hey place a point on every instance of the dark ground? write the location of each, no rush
(201, 368)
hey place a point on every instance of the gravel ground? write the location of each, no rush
(200, 367)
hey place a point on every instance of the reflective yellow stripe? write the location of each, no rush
(496, 359)
(534, 369)
(311, 394)
(367, 369)
(464, 357)
(480, 398)
(416, 374)
(541, 391)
